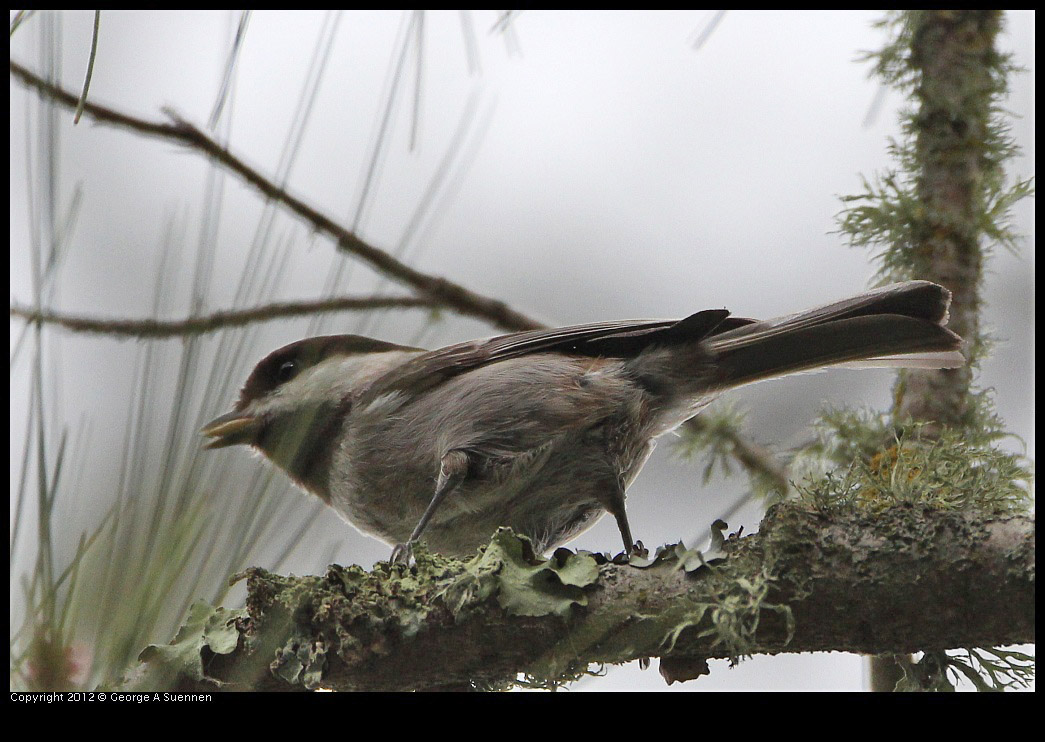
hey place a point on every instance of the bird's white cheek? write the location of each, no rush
(336, 378)
(315, 385)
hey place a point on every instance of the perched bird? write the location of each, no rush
(541, 430)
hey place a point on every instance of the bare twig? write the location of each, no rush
(437, 289)
(506, 27)
(471, 47)
(419, 40)
(20, 17)
(152, 328)
(504, 20)
(230, 68)
(90, 68)
(756, 459)
(709, 29)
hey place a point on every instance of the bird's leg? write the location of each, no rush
(453, 468)
(613, 502)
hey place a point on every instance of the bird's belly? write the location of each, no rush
(384, 504)
(543, 513)
(550, 494)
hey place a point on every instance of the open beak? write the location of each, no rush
(231, 429)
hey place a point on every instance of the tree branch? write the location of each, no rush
(182, 132)
(901, 580)
(158, 329)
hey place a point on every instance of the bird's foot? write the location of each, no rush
(402, 554)
(635, 551)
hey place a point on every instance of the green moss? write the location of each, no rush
(883, 467)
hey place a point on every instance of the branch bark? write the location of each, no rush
(899, 581)
(159, 329)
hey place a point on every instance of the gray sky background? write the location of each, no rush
(611, 171)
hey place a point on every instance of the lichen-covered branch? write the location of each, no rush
(901, 580)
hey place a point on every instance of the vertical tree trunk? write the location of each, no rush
(952, 53)
(954, 56)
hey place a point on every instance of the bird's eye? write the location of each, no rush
(287, 371)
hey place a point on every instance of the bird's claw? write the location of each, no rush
(402, 554)
(635, 551)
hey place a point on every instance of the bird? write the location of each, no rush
(541, 430)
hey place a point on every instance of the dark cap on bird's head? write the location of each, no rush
(282, 365)
(276, 369)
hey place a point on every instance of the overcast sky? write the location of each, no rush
(610, 170)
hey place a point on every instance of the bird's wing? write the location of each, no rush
(619, 339)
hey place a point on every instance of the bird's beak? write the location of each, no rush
(231, 429)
